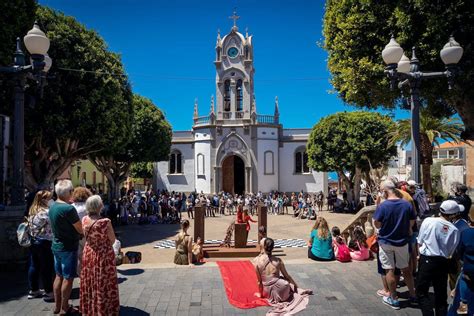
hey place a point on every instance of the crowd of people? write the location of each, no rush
(72, 236)
(70, 239)
(163, 207)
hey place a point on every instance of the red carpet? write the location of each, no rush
(240, 282)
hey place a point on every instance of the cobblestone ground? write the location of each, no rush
(340, 289)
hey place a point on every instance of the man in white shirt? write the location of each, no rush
(437, 240)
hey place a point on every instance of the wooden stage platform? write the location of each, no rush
(214, 251)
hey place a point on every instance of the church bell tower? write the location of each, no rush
(234, 75)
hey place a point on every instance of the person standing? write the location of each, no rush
(79, 197)
(437, 239)
(466, 281)
(394, 218)
(67, 229)
(461, 197)
(41, 256)
(99, 287)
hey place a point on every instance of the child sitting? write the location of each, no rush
(358, 245)
(341, 251)
(198, 254)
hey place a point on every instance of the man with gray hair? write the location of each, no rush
(67, 229)
(394, 218)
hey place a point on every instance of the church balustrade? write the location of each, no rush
(202, 120)
(227, 115)
(266, 119)
(239, 115)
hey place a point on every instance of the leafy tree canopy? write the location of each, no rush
(350, 143)
(356, 31)
(86, 104)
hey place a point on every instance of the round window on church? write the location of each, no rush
(232, 52)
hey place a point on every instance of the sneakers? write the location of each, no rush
(34, 294)
(48, 297)
(391, 302)
(462, 310)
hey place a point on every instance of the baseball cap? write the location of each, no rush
(411, 183)
(461, 208)
(449, 207)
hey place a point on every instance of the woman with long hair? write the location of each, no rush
(320, 243)
(358, 245)
(41, 255)
(275, 284)
(184, 242)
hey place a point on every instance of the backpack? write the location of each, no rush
(343, 252)
(424, 210)
(23, 234)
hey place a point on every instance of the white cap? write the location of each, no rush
(411, 183)
(449, 207)
(461, 208)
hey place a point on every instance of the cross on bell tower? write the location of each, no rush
(234, 17)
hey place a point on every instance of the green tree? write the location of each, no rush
(16, 19)
(148, 141)
(356, 32)
(432, 130)
(351, 144)
(141, 170)
(81, 112)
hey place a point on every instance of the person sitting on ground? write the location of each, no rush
(184, 255)
(341, 251)
(275, 284)
(99, 291)
(358, 245)
(320, 243)
(198, 254)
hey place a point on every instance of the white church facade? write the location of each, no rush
(233, 148)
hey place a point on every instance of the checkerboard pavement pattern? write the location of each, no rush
(339, 289)
(279, 243)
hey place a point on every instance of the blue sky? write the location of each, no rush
(167, 48)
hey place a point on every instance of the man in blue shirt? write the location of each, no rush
(394, 219)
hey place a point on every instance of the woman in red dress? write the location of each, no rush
(245, 218)
(99, 288)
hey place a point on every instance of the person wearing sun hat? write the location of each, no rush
(437, 240)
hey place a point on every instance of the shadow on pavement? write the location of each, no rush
(127, 310)
(130, 271)
(135, 235)
(15, 284)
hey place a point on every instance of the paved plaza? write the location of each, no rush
(158, 287)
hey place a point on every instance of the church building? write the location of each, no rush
(234, 148)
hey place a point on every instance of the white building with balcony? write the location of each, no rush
(233, 148)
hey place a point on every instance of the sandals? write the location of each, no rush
(70, 311)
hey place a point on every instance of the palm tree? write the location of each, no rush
(432, 130)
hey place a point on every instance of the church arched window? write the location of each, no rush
(301, 161)
(200, 164)
(239, 96)
(175, 164)
(227, 95)
(268, 162)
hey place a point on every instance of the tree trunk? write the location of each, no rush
(352, 184)
(43, 164)
(426, 174)
(116, 173)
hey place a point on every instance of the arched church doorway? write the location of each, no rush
(233, 175)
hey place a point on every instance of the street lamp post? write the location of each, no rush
(407, 73)
(37, 45)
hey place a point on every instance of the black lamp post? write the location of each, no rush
(37, 45)
(407, 73)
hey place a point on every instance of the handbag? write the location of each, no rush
(23, 234)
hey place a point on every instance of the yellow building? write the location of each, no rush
(83, 172)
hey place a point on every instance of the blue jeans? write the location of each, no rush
(466, 288)
(41, 265)
(65, 264)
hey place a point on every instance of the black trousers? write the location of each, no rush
(41, 265)
(432, 271)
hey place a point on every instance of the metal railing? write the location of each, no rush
(266, 119)
(202, 120)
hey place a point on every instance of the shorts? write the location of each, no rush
(65, 264)
(382, 271)
(393, 257)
